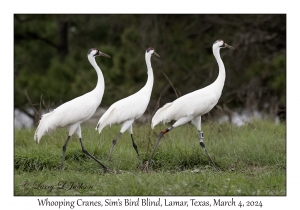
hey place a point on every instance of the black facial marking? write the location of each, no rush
(150, 48)
(90, 50)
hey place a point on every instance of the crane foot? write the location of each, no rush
(109, 171)
(145, 168)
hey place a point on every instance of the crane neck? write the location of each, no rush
(219, 82)
(99, 89)
(148, 86)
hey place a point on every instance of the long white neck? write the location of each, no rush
(147, 89)
(219, 82)
(99, 89)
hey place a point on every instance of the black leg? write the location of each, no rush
(64, 148)
(200, 137)
(134, 145)
(159, 137)
(87, 153)
(113, 144)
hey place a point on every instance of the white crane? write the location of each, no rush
(192, 106)
(72, 113)
(126, 110)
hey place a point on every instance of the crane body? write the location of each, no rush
(72, 113)
(127, 110)
(190, 107)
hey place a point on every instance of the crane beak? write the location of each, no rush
(103, 54)
(154, 53)
(228, 46)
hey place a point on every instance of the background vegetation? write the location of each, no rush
(50, 58)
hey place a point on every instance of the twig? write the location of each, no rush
(47, 107)
(157, 104)
(26, 94)
(170, 83)
(37, 113)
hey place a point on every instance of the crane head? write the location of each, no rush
(95, 52)
(221, 44)
(151, 51)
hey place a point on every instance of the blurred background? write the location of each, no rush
(51, 65)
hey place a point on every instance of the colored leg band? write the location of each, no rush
(167, 130)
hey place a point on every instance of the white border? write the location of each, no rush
(158, 7)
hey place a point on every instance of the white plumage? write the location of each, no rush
(72, 113)
(127, 110)
(192, 106)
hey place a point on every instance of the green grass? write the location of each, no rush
(252, 160)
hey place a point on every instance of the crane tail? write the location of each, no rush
(101, 124)
(108, 118)
(99, 127)
(161, 115)
(46, 124)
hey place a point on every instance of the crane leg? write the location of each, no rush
(201, 137)
(159, 137)
(64, 148)
(113, 144)
(134, 145)
(87, 153)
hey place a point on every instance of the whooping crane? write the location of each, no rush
(72, 113)
(126, 110)
(192, 106)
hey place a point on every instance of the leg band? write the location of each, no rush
(200, 135)
(168, 129)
